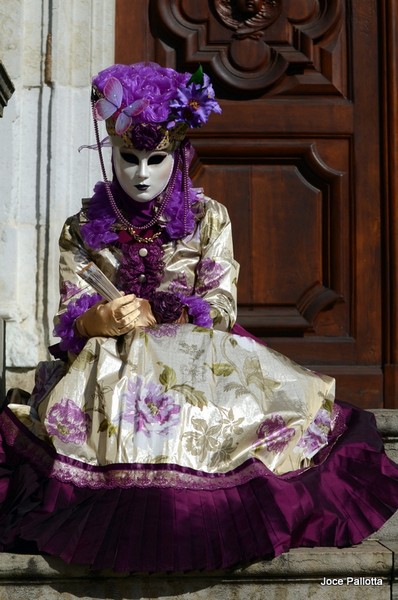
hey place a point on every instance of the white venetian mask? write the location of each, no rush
(142, 174)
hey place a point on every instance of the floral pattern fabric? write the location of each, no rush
(68, 422)
(188, 396)
(148, 408)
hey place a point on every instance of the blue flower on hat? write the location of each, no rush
(194, 103)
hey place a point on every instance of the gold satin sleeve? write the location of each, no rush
(73, 257)
(217, 246)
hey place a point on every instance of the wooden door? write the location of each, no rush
(295, 156)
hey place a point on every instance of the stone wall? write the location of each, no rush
(50, 50)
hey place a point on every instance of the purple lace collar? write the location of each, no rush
(98, 231)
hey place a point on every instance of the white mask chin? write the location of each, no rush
(142, 174)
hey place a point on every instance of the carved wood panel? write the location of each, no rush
(284, 201)
(251, 47)
(295, 156)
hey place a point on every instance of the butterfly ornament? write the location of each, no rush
(112, 103)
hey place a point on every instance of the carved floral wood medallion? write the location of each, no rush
(248, 18)
(253, 47)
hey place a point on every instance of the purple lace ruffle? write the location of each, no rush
(198, 310)
(174, 212)
(140, 274)
(71, 341)
(97, 232)
(166, 307)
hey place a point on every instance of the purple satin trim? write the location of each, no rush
(163, 529)
(123, 475)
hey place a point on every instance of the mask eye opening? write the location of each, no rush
(156, 159)
(130, 158)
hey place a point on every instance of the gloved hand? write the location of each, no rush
(146, 318)
(113, 318)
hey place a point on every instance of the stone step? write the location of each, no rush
(387, 424)
(364, 572)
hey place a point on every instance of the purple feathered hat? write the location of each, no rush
(151, 107)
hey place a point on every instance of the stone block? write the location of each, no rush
(362, 572)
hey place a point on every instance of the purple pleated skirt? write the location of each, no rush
(347, 495)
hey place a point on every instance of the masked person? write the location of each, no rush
(166, 439)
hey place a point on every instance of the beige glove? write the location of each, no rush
(146, 318)
(113, 318)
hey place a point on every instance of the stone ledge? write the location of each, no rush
(387, 424)
(369, 559)
(296, 575)
(387, 421)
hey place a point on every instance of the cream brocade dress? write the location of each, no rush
(181, 395)
(179, 447)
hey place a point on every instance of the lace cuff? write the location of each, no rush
(198, 309)
(71, 341)
(167, 308)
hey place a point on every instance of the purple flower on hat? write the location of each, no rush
(146, 136)
(194, 103)
(149, 93)
(138, 93)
